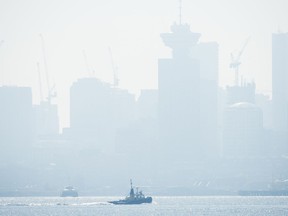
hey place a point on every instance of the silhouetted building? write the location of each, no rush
(47, 121)
(188, 95)
(96, 111)
(140, 137)
(243, 93)
(280, 81)
(17, 122)
(91, 111)
(207, 55)
(179, 101)
(280, 91)
(147, 104)
(243, 131)
(124, 106)
(265, 103)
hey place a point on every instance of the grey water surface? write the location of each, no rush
(168, 206)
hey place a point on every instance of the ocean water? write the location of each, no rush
(166, 206)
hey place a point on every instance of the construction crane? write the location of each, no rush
(51, 91)
(114, 69)
(235, 61)
(40, 84)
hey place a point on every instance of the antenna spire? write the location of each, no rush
(180, 12)
(86, 62)
(114, 68)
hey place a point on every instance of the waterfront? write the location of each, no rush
(168, 206)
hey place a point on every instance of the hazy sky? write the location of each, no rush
(132, 29)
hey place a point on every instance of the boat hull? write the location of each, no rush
(132, 201)
(69, 194)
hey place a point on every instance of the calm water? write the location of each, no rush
(166, 206)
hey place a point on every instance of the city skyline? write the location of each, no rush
(68, 31)
(183, 114)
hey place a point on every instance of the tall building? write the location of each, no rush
(47, 120)
(17, 123)
(243, 131)
(187, 85)
(280, 91)
(265, 103)
(243, 93)
(207, 55)
(280, 81)
(97, 110)
(147, 104)
(90, 107)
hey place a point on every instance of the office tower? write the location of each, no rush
(280, 91)
(47, 121)
(243, 93)
(207, 55)
(147, 105)
(187, 85)
(243, 131)
(280, 81)
(17, 123)
(97, 110)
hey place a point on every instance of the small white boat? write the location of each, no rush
(69, 191)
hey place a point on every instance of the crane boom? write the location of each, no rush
(40, 84)
(51, 91)
(242, 50)
(45, 62)
(235, 62)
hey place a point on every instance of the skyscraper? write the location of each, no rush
(47, 120)
(280, 91)
(187, 95)
(17, 123)
(280, 81)
(178, 82)
(97, 110)
(243, 131)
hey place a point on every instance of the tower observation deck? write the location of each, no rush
(181, 40)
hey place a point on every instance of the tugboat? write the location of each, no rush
(133, 198)
(69, 191)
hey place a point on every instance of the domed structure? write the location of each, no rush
(243, 115)
(242, 130)
(244, 105)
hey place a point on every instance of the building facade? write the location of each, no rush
(187, 85)
(280, 81)
(17, 124)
